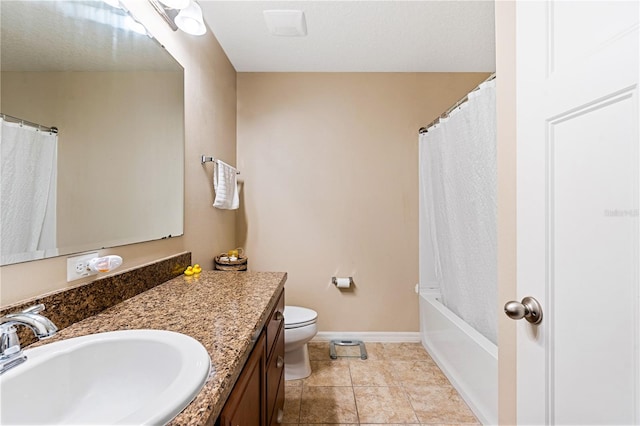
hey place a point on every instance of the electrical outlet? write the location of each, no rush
(77, 266)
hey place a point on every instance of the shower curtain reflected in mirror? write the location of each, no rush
(458, 250)
(28, 169)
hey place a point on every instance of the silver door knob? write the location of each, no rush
(528, 309)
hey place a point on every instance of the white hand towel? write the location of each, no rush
(226, 186)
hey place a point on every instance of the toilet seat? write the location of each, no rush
(296, 317)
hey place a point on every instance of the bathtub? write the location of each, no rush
(467, 358)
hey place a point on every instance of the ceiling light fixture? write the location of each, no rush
(288, 23)
(190, 20)
(183, 14)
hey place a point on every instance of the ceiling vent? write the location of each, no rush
(288, 23)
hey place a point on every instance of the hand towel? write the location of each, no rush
(225, 186)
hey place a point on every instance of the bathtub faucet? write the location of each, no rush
(11, 353)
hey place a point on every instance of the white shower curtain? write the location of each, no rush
(28, 168)
(458, 208)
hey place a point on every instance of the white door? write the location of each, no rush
(578, 226)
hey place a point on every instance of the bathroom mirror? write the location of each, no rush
(114, 173)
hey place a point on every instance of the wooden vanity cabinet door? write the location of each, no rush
(275, 376)
(257, 398)
(278, 407)
(246, 403)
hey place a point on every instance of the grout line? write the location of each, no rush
(353, 391)
(300, 405)
(406, 394)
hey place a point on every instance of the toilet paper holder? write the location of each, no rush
(334, 281)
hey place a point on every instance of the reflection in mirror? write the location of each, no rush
(113, 173)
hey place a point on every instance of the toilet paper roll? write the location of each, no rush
(343, 282)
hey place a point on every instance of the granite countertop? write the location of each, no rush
(222, 310)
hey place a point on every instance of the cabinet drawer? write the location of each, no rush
(275, 322)
(275, 375)
(278, 409)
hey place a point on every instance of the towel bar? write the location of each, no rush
(205, 159)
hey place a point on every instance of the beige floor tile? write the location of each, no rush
(292, 399)
(328, 373)
(375, 351)
(418, 372)
(318, 351)
(383, 405)
(390, 424)
(371, 373)
(405, 351)
(438, 404)
(293, 383)
(328, 405)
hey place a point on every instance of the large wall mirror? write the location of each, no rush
(114, 172)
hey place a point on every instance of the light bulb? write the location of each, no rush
(190, 20)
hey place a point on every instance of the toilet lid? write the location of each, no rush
(296, 316)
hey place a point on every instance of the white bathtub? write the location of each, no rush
(467, 358)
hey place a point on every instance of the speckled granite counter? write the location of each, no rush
(222, 310)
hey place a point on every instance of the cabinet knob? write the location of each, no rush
(280, 416)
(280, 362)
(278, 316)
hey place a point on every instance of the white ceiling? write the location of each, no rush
(359, 36)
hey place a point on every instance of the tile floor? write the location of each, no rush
(398, 384)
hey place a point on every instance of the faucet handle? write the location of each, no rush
(35, 309)
(9, 342)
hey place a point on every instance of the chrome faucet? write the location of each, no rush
(11, 353)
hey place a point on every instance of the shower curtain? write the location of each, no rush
(458, 208)
(28, 168)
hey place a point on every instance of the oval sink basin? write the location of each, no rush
(119, 377)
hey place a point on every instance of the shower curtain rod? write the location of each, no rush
(445, 114)
(22, 122)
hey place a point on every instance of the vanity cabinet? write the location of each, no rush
(257, 397)
(245, 405)
(275, 364)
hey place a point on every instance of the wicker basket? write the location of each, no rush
(230, 265)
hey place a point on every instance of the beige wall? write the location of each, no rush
(110, 191)
(210, 128)
(330, 171)
(506, 112)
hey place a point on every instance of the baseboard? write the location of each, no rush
(369, 336)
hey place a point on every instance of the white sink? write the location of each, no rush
(120, 377)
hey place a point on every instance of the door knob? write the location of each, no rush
(528, 309)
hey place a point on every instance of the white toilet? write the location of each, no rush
(299, 327)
